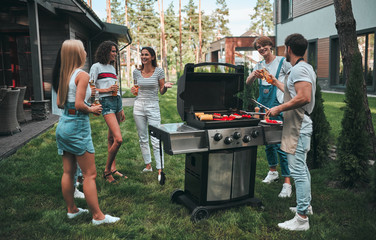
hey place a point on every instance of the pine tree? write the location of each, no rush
(320, 135)
(353, 142)
(262, 18)
(220, 19)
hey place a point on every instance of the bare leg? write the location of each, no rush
(114, 141)
(87, 165)
(69, 167)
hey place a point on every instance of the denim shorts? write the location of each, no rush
(111, 104)
(73, 133)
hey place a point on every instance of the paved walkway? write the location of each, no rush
(31, 129)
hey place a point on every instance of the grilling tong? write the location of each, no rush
(261, 105)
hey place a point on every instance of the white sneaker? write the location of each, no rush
(309, 210)
(80, 211)
(271, 177)
(296, 224)
(147, 170)
(78, 194)
(286, 191)
(107, 219)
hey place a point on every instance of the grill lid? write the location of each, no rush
(203, 91)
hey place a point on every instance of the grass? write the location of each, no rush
(32, 206)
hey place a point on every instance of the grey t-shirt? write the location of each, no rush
(148, 87)
(303, 72)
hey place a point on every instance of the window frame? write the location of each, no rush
(334, 59)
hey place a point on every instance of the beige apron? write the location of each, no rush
(291, 125)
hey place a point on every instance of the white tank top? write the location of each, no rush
(73, 88)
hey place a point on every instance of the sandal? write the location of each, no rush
(106, 175)
(116, 172)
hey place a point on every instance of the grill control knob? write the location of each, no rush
(246, 139)
(218, 137)
(255, 134)
(237, 135)
(229, 140)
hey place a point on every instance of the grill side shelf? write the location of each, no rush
(178, 138)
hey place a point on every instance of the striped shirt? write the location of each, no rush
(104, 76)
(148, 87)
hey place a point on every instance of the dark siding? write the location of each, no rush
(53, 32)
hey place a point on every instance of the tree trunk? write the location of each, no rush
(128, 49)
(108, 11)
(346, 27)
(180, 38)
(199, 32)
(163, 38)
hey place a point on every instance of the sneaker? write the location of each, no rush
(107, 219)
(147, 170)
(78, 194)
(296, 224)
(286, 191)
(80, 211)
(271, 177)
(309, 210)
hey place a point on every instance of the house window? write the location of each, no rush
(312, 53)
(366, 44)
(286, 10)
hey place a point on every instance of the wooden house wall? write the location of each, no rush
(301, 7)
(78, 31)
(53, 32)
(323, 58)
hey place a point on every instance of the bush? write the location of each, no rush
(250, 91)
(353, 142)
(320, 135)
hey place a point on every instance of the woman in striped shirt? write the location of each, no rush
(150, 79)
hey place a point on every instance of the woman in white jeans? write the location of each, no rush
(150, 79)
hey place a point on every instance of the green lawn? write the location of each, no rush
(32, 206)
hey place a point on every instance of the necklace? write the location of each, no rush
(147, 74)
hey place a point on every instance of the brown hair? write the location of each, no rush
(297, 43)
(262, 41)
(73, 56)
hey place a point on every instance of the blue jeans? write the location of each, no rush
(146, 112)
(272, 152)
(300, 173)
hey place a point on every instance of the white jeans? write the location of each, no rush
(146, 112)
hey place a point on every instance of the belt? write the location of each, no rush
(72, 111)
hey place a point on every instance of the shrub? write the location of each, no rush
(320, 135)
(353, 142)
(250, 91)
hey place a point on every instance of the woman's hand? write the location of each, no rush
(122, 116)
(168, 85)
(96, 109)
(113, 88)
(133, 90)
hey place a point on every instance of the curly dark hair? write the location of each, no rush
(102, 54)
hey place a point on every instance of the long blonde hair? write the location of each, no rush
(73, 56)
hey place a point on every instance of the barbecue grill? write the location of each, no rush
(221, 156)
